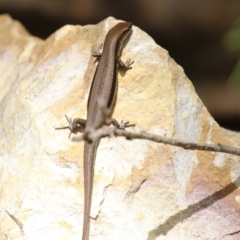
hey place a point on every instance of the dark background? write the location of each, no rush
(191, 30)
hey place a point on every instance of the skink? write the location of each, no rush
(101, 97)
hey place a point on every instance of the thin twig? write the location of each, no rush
(104, 131)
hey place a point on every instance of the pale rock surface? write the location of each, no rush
(142, 190)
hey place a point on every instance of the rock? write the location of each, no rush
(142, 190)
